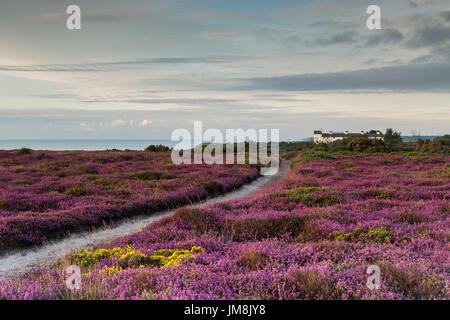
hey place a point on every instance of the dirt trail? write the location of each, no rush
(18, 261)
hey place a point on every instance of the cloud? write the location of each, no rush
(59, 96)
(384, 36)
(108, 66)
(439, 54)
(144, 123)
(333, 24)
(431, 36)
(98, 16)
(95, 125)
(412, 77)
(201, 16)
(375, 38)
(407, 20)
(422, 59)
(179, 101)
(99, 99)
(417, 3)
(86, 127)
(381, 61)
(442, 52)
(372, 61)
(123, 123)
(47, 16)
(338, 38)
(213, 35)
(446, 15)
(53, 68)
(118, 123)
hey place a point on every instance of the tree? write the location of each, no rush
(155, 148)
(392, 139)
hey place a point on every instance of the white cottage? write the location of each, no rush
(321, 137)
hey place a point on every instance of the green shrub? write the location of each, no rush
(214, 188)
(25, 151)
(314, 196)
(157, 148)
(79, 190)
(392, 139)
(252, 258)
(438, 145)
(415, 284)
(312, 284)
(197, 219)
(267, 227)
(310, 156)
(379, 235)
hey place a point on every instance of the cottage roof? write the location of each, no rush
(335, 134)
(371, 133)
(374, 134)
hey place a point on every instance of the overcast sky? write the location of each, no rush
(142, 68)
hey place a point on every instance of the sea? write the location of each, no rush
(88, 145)
(94, 145)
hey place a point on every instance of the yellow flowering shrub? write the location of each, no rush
(130, 257)
(89, 257)
(109, 271)
(172, 257)
(378, 234)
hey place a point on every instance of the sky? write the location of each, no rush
(139, 69)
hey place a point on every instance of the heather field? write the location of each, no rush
(312, 235)
(46, 194)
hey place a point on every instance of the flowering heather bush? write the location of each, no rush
(310, 236)
(46, 194)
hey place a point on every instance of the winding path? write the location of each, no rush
(18, 261)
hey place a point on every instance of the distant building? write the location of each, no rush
(331, 136)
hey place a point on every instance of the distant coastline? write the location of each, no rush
(414, 138)
(105, 144)
(86, 145)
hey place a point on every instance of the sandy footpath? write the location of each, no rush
(18, 261)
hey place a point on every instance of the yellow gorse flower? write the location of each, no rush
(109, 271)
(129, 256)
